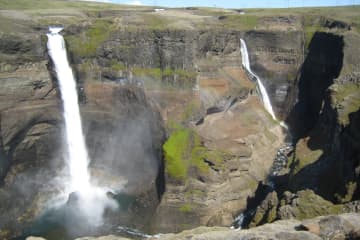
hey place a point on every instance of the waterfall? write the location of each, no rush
(246, 63)
(78, 159)
(92, 199)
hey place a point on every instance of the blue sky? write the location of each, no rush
(239, 3)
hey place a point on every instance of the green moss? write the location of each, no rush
(309, 157)
(186, 208)
(117, 66)
(304, 157)
(310, 205)
(176, 149)
(154, 73)
(169, 78)
(87, 44)
(347, 97)
(183, 150)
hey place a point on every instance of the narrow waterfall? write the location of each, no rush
(246, 63)
(78, 159)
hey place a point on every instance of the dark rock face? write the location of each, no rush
(124, 133)
(326, 156)
(276, 58)
(315, 118)
(331, 23)
(318, 72)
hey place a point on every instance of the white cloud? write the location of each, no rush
(135, 2)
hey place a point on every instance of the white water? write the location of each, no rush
(93, 199)
(246, 63)
(78, 159)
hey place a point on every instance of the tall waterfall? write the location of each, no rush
(78, 159)
(246, 63)
(92, 199)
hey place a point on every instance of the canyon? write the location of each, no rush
(174, 123)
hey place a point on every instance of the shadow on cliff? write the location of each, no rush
(321, 66)
(313, 120)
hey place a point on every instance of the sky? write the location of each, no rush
(237, 3)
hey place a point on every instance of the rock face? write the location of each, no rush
(345, 226)
(327, 114)
(30, 120)
(276, 58)
(188, 73)
(325, 158)
(123, 131)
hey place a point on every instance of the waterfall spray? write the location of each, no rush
(93, 199)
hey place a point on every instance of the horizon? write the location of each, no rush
(239, 4)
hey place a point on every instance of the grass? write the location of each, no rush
(184, 150)
(57, 4)
(155, 22)
(154, 73)
(116, 66)
(87, 44)
(303, 156)
(238, 22)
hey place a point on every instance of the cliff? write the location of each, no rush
(140, 72)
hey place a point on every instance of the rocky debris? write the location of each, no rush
(353, 206)
(345, 226)
(266, 212)
(305, 204)
(332, 23)
(281, 160)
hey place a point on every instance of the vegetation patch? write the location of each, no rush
(117, 66)
(239, 22)
(154, 73)
(87, 43)
(170, 78)
(184, 150)
(186, 208)
(155, 22)
(304, 156)
(347, 100)
(310, 205)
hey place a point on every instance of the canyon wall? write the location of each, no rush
(139, 85)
